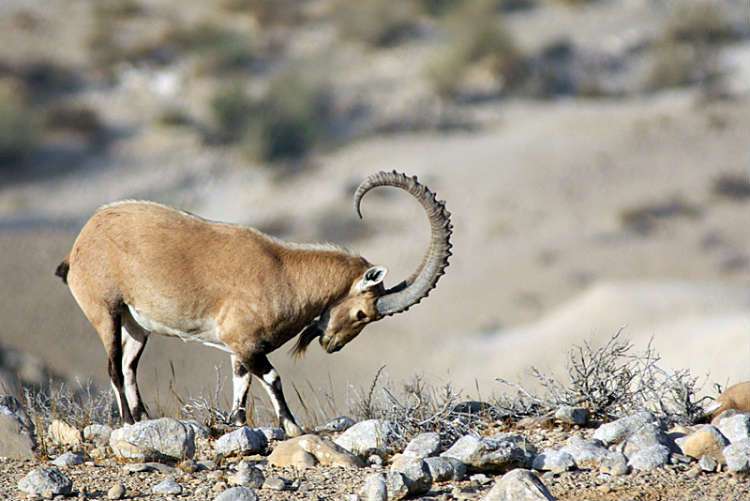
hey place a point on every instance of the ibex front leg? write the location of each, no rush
(240, 387)
(261, 368)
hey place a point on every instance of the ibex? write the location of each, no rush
(140, 268)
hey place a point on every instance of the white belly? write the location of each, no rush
(204, 331)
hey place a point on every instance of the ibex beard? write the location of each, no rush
(140, 268)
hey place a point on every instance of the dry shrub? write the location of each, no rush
(644, 218)
(376, 23)
(269, 12)
(732, 186)
(79, 404)
(611, 381)
(700, 21)
(19, 131)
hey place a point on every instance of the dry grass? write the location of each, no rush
(646, 217)
(376, 23)
(19, 126)
(732, 186)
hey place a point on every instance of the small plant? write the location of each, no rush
(19, 133)
(377, 23)
(644, 218)
(731, 186)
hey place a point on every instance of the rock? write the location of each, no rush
(531, 422)
(737, 456)
(375, 460)
(272, 433)
(149, 467)
(374, 488)
(241, 441)
(585, 453)
(572, 415)
(396, 485)
(620, 429)
(199, 430)
(615, 464)
(45, 481)
(309, 450)
(647, 436)
(415, 472)
(480, 479)
(237, 494)
(736, 427)
(188, 466)
(519, 485)
(247, 476)
(367, 437)
(117, 491)
(706, 441)
(496, 453)
(648, 458)
(17, 437)
(62, 434)
(168, 487)
(708, 463)
(276, 484)
(97, 434)
(156, 439)
(556, 461)
(423, 445)
(68, 459)
(444, 469)
(335, 425)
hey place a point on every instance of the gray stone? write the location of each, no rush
(149, 467)
(272, 433)
(737, 456)
(736, 427)
(572, 415)
(335, 425)
(444, 469)
(396, 485)
(647, 436)
(415, 472)
(519, 485)
(708, 463)
(68, 459)
(367, 437)
(17, 437)
(241, 441)
(156, 439)
(648, 458)
(615, 464)
(496, 453)
(480, 479)
(237, 494)
(374, 488)
(585, 453)
(168, 487)
(45, 481)
(423, 445)
(199, 430)
(620, 429)
(117, 491)
(247, 476)
(556, 461)
(97, 434)
(276, 484)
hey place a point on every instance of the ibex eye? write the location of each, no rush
(361, 315)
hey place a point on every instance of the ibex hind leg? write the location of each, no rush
(271, 382)
(109, 329)
(133, 342)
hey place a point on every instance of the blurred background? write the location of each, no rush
(595, 155)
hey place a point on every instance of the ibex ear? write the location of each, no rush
(372, 278)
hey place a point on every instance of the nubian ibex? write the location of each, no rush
(140, 268)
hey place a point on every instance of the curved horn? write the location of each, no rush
(418, 286)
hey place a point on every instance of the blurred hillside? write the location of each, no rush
(576, 143)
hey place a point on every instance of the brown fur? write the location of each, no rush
(735, 397)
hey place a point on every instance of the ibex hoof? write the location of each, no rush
(291, 429)
(238, 417)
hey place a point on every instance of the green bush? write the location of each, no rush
(19, 133)
(285, 124)
(377, 23)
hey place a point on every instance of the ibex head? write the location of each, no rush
(368, 300)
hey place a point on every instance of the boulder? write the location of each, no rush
(415, 472)
(273, 433)
(620, 429)
(396, 485)
(45, 482)
(519, 485)
(615, 464)
(735, 427)
(374, 488)
(572, 415)
(167, 487)
(336, 425)
(586, 453)
(496, 453)
(445, 469)
(154, 440)
(237, 494)
(737, 456)
(199, 430)
(97, 434)
(64, 435)
(366, 437)
(648, 458)
(556, 461)
(423, 445)
(68, 459)
(706, 441)
(647, 436)
(241, 441)
(310, 450)
(247, 475)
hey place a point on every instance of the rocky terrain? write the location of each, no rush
(563, 456)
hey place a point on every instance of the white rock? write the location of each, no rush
(620, 429)
(585, 453)
(499, 452)
(241, 441)
(396, 485)
(737, 456)
(374, 488)
(237, 494)
(556, 461)
(117, 491)
(423, 445)
(97, 434)
(63, 434)
(156, 439)
(649, 458)
(168, 487)
(736, 427)
(572, 415)
(368, 436)
(519, 485)
(415, 472)
(443, 469)
(339, 424)
(44, 482)
(68, 459)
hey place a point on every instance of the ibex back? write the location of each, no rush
(140, 268)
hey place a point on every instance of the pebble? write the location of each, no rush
(168, 486)
(117, 491)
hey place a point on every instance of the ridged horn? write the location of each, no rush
(418, 286)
